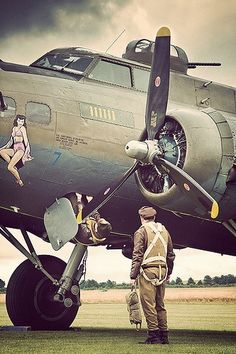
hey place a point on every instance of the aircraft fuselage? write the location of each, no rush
(78, 125)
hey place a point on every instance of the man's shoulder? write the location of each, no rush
(140, 230)
(153, 225)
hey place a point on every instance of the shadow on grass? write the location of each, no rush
(183, 334)
(92, 340)
(177, 336)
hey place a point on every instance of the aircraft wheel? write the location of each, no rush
(29, 298)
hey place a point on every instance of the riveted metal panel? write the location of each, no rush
(227, 162)
(227, 146)
(216, 116)
(182, 89)
(222, 98)
(232, 123)
(224, 130)
(220, 184)
(106, 114)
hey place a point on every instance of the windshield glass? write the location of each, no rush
(64, 61)
(112, 72)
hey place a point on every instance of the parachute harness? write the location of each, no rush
(156, 228)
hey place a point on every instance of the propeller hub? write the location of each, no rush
(137, 150)
(143, 150)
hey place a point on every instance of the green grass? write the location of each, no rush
(194, 328)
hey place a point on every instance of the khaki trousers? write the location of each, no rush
(152, 300)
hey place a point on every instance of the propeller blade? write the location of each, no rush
(105, 194)
(157, 96)
(189, 186)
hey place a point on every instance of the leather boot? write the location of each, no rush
(153, 337)
(164, 337)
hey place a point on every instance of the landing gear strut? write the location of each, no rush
(43, 292)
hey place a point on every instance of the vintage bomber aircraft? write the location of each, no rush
(82, 108)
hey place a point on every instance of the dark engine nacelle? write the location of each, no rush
(201, 143)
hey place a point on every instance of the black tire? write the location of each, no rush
(29, 297)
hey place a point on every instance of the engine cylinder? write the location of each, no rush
(198, 151)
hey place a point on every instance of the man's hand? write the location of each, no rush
(167, 279)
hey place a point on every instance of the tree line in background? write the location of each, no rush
(223, 280)
(2, 286)
(207, 281)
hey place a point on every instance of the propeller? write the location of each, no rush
(149, 151)
(105, 194)
(158, 89)
(188, 186)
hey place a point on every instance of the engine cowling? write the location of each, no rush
(192, 140)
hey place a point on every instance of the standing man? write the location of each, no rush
(152, 261)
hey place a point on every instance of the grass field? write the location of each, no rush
(194, 328)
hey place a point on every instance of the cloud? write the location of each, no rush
(44, 15)
(207, 34)
(196, 264)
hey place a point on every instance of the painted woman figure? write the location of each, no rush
(17, 150)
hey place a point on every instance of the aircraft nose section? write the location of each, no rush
(136, 149)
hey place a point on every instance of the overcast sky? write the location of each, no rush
(205, 29)
(103, 264)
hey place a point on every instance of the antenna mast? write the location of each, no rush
(115, 40)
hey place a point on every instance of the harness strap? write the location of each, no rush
(154, 241)
(156, 229)
(154, 281)
(152, 259)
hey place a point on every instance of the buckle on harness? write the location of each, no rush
(156, 281)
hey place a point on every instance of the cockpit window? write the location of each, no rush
(144, 45)
(64, 62)
(173, 51)
(113, 73)
(141, 79)
(9, 108)
(80, 63)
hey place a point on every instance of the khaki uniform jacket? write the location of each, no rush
(140, 246)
